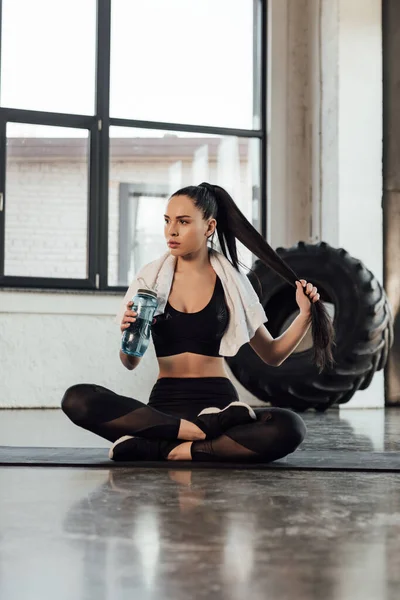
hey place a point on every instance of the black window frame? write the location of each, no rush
(98, 126)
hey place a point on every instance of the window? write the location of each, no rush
(47, 201)
(146, 167)
(96, 134)
(48, 55)
(183, 62)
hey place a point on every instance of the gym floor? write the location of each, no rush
(189, 534)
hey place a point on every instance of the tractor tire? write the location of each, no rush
(363, 324)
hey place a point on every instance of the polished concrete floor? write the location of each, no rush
(167, 534)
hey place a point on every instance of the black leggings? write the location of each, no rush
(276, 432)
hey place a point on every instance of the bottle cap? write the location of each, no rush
(148, 292)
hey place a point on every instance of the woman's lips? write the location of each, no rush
(172, 244)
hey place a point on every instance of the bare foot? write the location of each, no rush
(190, 431)
(181, 452)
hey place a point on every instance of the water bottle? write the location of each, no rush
(136, 337)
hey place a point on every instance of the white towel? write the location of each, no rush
(246, 311)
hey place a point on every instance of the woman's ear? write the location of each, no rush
(211, 227)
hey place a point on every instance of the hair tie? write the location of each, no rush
(208, 187)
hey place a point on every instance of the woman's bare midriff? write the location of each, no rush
(189, 364)
(191, 294)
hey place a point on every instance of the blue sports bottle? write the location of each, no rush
(136, 337)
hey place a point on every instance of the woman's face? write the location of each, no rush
(184, 223)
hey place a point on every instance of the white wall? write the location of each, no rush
(289, 148)
(325, 126)
(351, 152)
(52, 340)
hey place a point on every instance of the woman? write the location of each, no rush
(194, 412)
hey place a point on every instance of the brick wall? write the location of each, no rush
(47, 211)
(46, 219)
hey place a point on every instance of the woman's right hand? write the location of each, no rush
(128, 318)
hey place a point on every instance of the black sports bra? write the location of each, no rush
(175, 332)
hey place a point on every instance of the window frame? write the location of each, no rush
(98, 126)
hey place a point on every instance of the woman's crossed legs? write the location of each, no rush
(276, 433)
(154, 435)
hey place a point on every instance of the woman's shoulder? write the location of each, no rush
(157, 262)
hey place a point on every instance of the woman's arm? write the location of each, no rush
(275, 351)
(130, 362)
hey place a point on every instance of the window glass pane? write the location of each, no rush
(48, 55)
(183, 62)
(46, 201)
(147, 166)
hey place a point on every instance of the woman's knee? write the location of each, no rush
(76, 402)
(286, 427)
(292, 427)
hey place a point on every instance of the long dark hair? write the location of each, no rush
(216, 203)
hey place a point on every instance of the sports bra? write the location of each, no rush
(175, 332)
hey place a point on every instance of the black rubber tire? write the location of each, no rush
(363, 325)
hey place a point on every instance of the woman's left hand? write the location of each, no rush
(303, 302)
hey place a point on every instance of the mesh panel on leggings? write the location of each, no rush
(111, 415)
(276, 433)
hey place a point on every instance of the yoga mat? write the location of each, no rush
(306, 460)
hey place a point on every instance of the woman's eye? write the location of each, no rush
(181, 220)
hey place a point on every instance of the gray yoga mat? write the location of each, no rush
(325, 460)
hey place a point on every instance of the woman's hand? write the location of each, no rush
(303, 302)
(129, 317)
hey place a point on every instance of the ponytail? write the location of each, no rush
(215, 202)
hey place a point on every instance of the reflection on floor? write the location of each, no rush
(165, 534)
